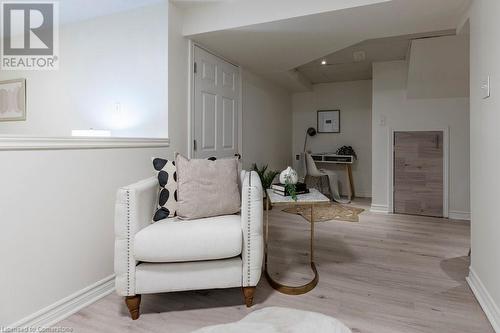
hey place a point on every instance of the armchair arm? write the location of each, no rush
(252, 226)
(134, 210)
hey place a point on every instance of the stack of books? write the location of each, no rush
(300, 188)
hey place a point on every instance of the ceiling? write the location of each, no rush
(215, 15)
(79, 10)
(342, 65)
(274, 48)
(188, 4)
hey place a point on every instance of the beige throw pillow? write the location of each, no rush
(207, 188)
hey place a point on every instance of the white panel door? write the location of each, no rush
(216, 102)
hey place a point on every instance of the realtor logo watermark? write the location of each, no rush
(30, 35)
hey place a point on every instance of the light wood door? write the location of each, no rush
(418, 173)
(216, 102)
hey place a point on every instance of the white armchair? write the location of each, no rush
(169, 255)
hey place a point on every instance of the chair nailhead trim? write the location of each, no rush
(128, 242)
(249, 204)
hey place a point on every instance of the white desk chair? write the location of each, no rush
(313, 171)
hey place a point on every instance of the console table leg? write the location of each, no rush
(312, 234)
(351, 181)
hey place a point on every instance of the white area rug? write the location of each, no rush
(281, 320)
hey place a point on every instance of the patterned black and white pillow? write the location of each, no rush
(167, 197)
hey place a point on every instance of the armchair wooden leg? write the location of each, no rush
(133, 304)
(248, 293)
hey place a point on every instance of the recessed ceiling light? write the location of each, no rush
(323, 62)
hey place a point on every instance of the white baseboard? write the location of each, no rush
(458, 215)
(454, 215)
(64, 308)
(361, 194)
(379, 209)
(485, 300)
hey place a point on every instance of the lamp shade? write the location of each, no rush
(311, 131)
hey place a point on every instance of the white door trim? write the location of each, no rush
(191, 100)
(446, 163)
(240, 115)
(191, 124)
(190, 97)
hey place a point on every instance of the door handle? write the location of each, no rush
(238, 155)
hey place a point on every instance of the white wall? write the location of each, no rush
(57, 213)
(438, 67)
(485, 159)
(390, 102)
(57, 206)
(354, 99)
(102, 62)
(267, 123)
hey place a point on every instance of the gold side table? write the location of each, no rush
(314, 197)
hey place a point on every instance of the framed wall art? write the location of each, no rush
(329, 121)
(13, 100)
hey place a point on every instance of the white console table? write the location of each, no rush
(346, 160)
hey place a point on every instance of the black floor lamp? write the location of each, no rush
(311, 131)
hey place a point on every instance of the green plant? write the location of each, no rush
(266, 176)
(291, 188)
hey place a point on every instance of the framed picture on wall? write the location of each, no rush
(13, 100)
(329, 121)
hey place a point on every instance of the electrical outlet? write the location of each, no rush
(297, 157)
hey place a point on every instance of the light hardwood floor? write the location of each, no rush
(385, 274)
